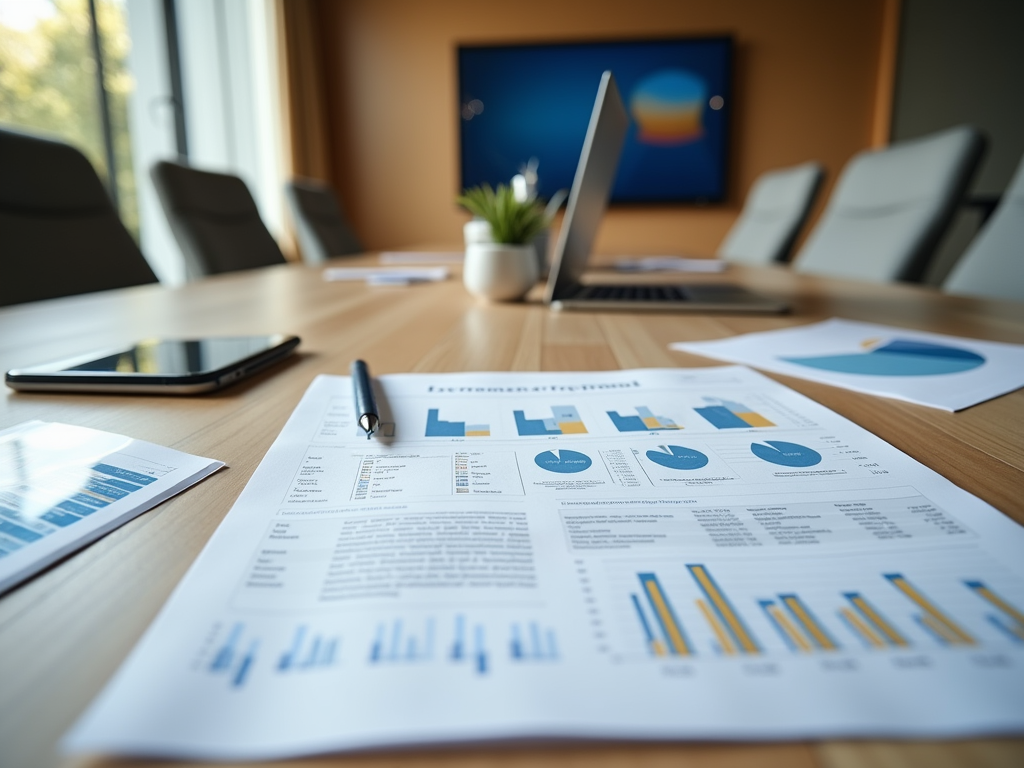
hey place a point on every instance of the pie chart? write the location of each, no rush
(897, 357)
(677, 457)
(563, 462)
(786, 454)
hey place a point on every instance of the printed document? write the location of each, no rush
(948, 372)
(656, 554)
(63, 486)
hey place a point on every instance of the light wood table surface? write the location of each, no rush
(64, 633)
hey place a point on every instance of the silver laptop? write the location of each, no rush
(587, 202)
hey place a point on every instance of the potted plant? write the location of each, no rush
(505, 269)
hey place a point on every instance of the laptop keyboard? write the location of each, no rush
(631, 293)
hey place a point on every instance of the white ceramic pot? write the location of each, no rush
(500, 272)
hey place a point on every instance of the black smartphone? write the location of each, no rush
(158, 366)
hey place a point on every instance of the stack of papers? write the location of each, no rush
(63, 486)
(660, 554)
(422, 257)
(947, 372)
(387, 275)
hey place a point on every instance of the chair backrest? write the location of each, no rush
(59, 232)
(993, 264)
(214, 219)
(321, 226)
(891, 207)
(773, 213)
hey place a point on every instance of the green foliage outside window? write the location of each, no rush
(48, 84)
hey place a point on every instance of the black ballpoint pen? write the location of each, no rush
(366, 406)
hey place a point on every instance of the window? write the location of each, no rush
(50, 83)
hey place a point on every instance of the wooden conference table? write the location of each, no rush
(64, 633)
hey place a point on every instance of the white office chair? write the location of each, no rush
(993, 264)
(773, 213)
(891, 207)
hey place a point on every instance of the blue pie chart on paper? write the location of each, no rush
(785, 454)
(563, 462)
(677, 457)
(898, 357)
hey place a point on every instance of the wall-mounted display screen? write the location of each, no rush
(519, 102)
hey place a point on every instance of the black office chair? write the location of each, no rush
(214, 219)
(321, 226)
(59, 232)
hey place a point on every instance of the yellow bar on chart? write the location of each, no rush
(879, 623)
(572, 427)
(997, 601)
(808, 622)
(959, 636)
(665, 617)
(716, 626)
(787, 626)
(755, 419)
(725, 611)
(869, 634)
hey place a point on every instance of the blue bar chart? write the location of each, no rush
(643, 421)
(564, 420)
(729, 414)
(531, 642)
(436, 427)
(235, 657)
(309, 650)
(399, 642)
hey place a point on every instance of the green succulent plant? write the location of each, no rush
(512, 222)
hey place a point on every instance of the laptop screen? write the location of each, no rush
(591, 188)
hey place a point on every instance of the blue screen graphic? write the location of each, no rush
(522, 101)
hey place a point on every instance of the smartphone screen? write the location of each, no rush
(183, 366)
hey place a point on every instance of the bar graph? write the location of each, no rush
(664, 635)
(235, 657)
(868, 623)
(1008, 619)
(733, 635)
(564, 420)
(643, 421)
(466, 649)
(398, 642)
(934, 621)
(728, 414)
(438, 428)
(308, 650)
(104, 484)
(531, 642)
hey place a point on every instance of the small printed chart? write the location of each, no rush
(728, 414)
(898, 357)
(643, 421)
(563, 462)
(677, 457)
(564, 420)
(785, 454)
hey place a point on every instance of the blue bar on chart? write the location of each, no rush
(790, 633)
(438, 428)
(1009, 620)
(397, 644)
(934, 621)
(673, 639)
(231, 661)
(533, 643)
(644, 421)
(728, 414)
(308, 651)
(460, 648)
(564, 420)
